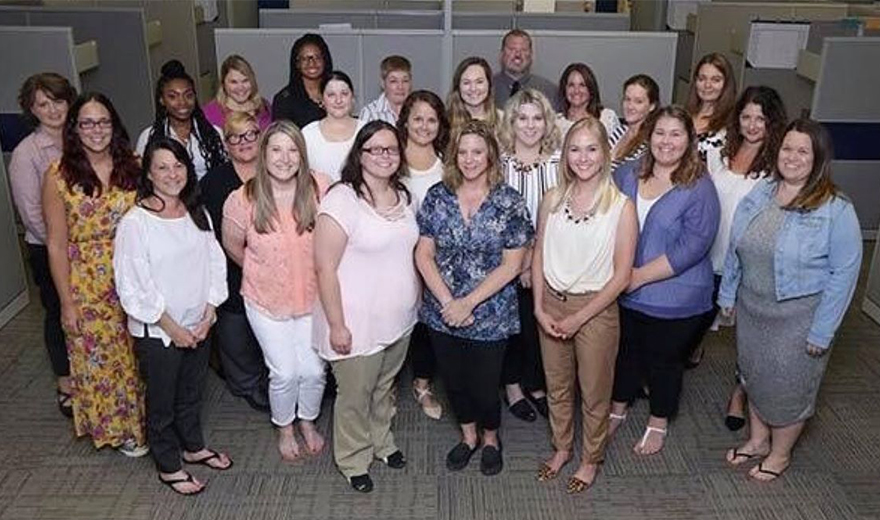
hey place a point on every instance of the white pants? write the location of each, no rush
(296, 373)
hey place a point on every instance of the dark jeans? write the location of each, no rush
(420, 352)
(240, 355)
(53, 334)
(471, 372)
(174, 378)
(522, 360)
(653, 350)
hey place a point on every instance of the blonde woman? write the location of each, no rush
(238, 92)
(587, 232)
(529, 162)
(472, 96)
(267, 229)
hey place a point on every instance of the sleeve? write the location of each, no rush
(219, 289)
(699, 227)
(425, 214)
(364, 114)
(235, 215)
(518, 232)
(341, 204)
(27, 192)
(730, 278)
(844, 260)
(138, 294)
(142, 141)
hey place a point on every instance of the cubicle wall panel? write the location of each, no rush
(309, 19)
(426, 20)
(482, 21)
(860, 181)
(13, 18)
(795, 91)
(614, 57)
(572, 21)
(425, 52)
(13, 282)
(848, 85)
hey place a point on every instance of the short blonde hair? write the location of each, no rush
(507, 134)
(236, 121)
(452, 176)
(608, 191)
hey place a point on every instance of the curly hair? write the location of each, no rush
(75, 168)
(551, 138)
(775, 119)
(189, 195)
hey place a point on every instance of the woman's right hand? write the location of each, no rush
(547, 323)
(70, 318)
(182, 337)
(340, 339)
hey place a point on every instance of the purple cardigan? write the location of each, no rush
(681, 225)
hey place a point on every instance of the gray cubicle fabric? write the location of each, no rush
(13, 284)
(860, 181)
(849, 81)
(124, 69)
(25, 51)
(572, 21)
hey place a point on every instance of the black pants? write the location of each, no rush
(241, 358)
(708, 317)
(174, 378)
(522, 360)
(420, 352)
(53, 334)
(471, 372)
(653, 350)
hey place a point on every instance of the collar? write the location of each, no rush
(522, 80)
(42, 139)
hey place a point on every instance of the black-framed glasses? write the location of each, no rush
(246, 137)
(378, 151)
(89, 124)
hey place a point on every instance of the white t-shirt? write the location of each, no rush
(327, 156)
(643, 206)
(418, 181)
(731, 188)
(192, 146)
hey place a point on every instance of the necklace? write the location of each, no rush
(570, 214)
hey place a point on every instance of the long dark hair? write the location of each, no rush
(352, 171)
(294, 82)
(210, 145)
(76, 170)
(189, 195)
(819, 187)
(594, 105)
(433, 101)
(724, 106)
(774, 115)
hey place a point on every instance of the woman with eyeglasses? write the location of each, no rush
(239, 352)
(267, 230)
(364, 240)
(85, 195)
(300, 100)
(330, 138)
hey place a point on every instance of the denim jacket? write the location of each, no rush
(817, 251)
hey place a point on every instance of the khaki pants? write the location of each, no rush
(364, 407)
(586, 360)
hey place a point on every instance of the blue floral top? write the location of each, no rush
(467, 252)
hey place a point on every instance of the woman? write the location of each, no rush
(472, 96)
(530, 142)
(171, 276)
(747, 156)
(629, 141)
(84, 196)
(424, 132)
(671, 284)
(474, 229)
(364, 240)
(300, 100)
(178, 116)
(711, 100)
(587, 233)
(267, 230)
(242, 361)
(44, 100)
(789, 276)
(579, 96)
(238, 92)
(330, 138)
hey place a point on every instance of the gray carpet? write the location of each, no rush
(46, 474)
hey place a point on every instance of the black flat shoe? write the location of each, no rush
(491, 462)
(396, 460)
(458, 457)
(540, 404)
(734, 423)
(65, 404)
(522, 410)
(362, 483)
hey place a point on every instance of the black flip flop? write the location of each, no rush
(189, 478)
(204, 461)
(65, 403)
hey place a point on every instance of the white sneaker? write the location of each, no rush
(130, 448)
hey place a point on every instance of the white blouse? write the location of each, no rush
(418, 181)
(327, 156)
(164, 265)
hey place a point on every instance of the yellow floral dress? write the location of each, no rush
(108, 398)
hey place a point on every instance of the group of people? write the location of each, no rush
(519, 240)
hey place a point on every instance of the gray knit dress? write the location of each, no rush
(780, 378)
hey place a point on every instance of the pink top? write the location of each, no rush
(216, 114)
(30, 160)
(278, 275)
(377, 275)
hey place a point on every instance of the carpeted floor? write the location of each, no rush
(46, 474)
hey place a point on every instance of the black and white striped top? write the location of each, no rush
(532, 181)
(615, 136)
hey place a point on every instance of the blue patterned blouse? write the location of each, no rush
(467, 252)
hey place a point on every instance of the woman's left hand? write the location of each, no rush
(815, 351)
(568, 327)
(457, 312)
(200, 331)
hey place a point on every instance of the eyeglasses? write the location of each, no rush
(378, 151)
(246, 137)
(90, 124)
(310, 58)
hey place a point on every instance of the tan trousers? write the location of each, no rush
(587, 360)
(364, 407)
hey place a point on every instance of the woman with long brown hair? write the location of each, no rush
(711, 100)
(472, 95)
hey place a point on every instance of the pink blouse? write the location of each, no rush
(30, 160)
(278, 275)
(377, 275)
(216, 114)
